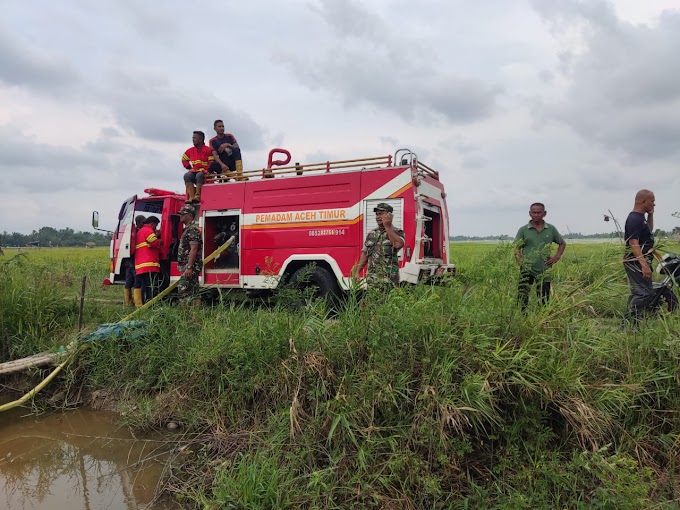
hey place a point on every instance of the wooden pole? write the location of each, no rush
(82, 304)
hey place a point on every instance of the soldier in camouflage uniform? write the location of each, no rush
(381, 250)
(189, 260)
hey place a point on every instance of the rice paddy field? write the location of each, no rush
(432, 397)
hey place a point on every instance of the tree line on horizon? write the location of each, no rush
(571, 235)
(51, 237)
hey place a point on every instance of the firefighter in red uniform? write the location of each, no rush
(130, 276)
(196, 160)
(147, 266)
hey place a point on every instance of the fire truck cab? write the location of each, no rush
(290, 220)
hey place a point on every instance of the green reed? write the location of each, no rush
(432, 397)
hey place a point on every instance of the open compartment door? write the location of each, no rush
(122, 237)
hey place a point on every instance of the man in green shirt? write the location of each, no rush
(532, 253)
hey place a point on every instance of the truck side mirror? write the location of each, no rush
(95, 219)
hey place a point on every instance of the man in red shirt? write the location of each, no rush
(196, 160)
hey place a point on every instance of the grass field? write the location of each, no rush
(435, 397)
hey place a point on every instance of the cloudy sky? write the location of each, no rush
(573, 103)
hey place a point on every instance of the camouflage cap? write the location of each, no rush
(382, 206)
(187, 209)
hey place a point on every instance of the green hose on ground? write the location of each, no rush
(45, 382)
(73, 349)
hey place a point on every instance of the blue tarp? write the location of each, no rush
(130, 330)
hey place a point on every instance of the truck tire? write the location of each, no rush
(319, 278)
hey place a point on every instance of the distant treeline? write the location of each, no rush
(51, 237)
(503, 237)
(48, 236)
(570, 235)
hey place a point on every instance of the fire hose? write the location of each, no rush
(72, 349)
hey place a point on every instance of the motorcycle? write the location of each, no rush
(669, 268)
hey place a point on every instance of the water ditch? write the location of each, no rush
(79, 459)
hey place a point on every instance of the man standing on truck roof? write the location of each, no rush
(196, 160)
(532, 253)
(130, 278)
(381, 249)
(226, 153)
(147, 265)
(189, 255)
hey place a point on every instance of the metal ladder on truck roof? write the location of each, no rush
(419, 170)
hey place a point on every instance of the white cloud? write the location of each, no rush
(41, 69)
(146, 102)
(370, 62)
(569, 102)
(622, 86)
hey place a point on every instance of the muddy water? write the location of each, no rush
(76, 460)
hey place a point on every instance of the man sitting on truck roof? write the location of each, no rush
(226, 152)
(196, 160)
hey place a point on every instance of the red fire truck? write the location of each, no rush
(298, 219)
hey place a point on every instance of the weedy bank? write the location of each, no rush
(40, 297)
(432, 397)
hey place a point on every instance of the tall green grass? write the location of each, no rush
(431, 397)
(39, 297)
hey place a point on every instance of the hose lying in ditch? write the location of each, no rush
(72, 349)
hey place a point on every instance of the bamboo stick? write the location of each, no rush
(37, 360)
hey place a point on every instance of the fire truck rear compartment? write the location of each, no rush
(432, 225)
(216, 231)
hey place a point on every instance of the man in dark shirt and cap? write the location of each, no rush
(381, 250)
(638, 258)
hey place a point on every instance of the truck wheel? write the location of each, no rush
(318, 278)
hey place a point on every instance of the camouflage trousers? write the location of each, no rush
(380, 285)
(188, 287)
